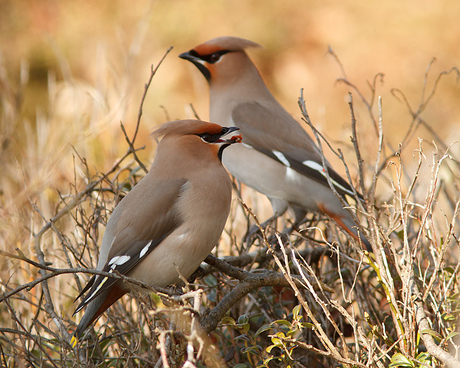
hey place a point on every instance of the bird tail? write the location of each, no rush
(95, 308)
(352, 229)
(345, 221)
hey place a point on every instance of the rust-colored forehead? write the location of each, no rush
(208, 128)
(224, 43)
(187, 127)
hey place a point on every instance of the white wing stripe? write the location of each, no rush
(119, 260)
(314, 165)
(145, 249)
(88, 299)
(281, 157)
(317, 167)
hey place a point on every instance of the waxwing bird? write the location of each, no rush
(278, 158)
(170, 221)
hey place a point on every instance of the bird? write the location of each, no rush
(277, 158)
(170, 221)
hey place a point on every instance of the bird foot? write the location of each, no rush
(252, 234)
(199, 273)
(255, 231)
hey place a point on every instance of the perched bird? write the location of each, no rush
(170, 221)
(278, 158)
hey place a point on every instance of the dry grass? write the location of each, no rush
(312, 299)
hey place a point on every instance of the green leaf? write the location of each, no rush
(262, 329)
(452, 334)
(243, 319)
(227, 320)
(282, 322)
(454, 298)
(156, 299)
(269, 348)
(447, 317)
(240, 365)
(243, 327)
(399, 360)
(276, 338)
(435, 335)
(424, 357)
(211, 280)
(104, 344)
(242, 337)
(250, 349)
(266, 361)
(212, 295)
(296, 311)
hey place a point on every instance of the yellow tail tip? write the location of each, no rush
(74, 341)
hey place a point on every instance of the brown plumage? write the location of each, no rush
(170, 220)
(278, 158)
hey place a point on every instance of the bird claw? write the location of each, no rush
(255, 231)
(199, 273)
(252, 234)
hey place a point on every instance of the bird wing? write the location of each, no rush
(151, 218)
(278, 135)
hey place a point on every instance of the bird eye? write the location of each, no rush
(205, 136)
(215, 57)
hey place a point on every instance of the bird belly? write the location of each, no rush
(164, 264)
(276, 180)
(181, 253)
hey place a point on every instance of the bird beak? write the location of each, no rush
(197, 62)
(187, 56)
(233, 139)
(228, 142)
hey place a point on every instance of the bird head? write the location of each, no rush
(209, 133)
(221, 57)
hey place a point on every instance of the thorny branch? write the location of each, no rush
(248, 281)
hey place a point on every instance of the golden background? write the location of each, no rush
(71, 71)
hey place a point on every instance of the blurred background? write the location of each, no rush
(71, 71)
